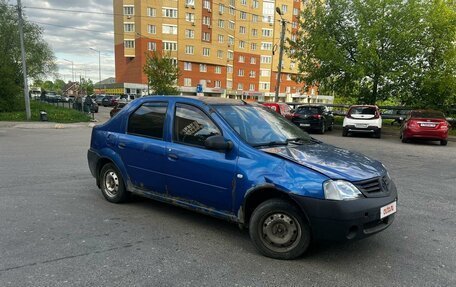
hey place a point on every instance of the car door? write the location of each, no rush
(142, 147)
(194, 174)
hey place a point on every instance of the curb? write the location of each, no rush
(42, 125)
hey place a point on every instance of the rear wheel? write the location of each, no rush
(330, 128)
(278, 230)
(323, 128)
(112, 184)
(443, 142)
(378, 133)
(344, 132)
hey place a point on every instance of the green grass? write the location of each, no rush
(54, 113)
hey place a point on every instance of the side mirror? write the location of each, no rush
(218, 142)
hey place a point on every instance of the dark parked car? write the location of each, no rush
(99, 99)
(314, 118)
(243, 163)
(425, 125)
(110, 101)
(117, 108)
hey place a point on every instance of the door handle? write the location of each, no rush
(173, 156)
(122, 145)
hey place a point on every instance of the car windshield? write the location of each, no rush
(260, 126)
(427, 114)
(307, 110)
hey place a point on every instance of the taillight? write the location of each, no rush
(377, 115)
(444, 125)
(316, 116)
(413, 124)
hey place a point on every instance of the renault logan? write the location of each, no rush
(244, 163)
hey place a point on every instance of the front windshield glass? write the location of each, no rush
(260, 126)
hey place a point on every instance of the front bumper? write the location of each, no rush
(346, 220)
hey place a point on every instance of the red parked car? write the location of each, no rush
(426, 125)
(280, 108)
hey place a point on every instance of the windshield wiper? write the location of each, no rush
(298, 141)
(271, 143)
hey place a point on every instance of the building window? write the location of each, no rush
(187, 82)
(288, 77)
(242, 30)
(207, 4)
(189, 50)
(292, 65)
(206, 20)
(129, 27)
(266, 46)
(229, 84)
(129, 10)
(253, 60)
(230, 40)
(206, 36)
(294, 25)
(219, 54)
(252, 74)
(190, 3)
(169, 12)
(229, 69)
(241, 72)
(230, 55)
(254, 32)
(129, 43)
(288, 90)
(221, 38)
(190, 17)
(218, 84)
(240, 86)
(295, 11)
(218, 69)
(243, 15)
(252, 87)
(255, 4)
(169, 29)
(187, 66)
(265, 73)
(241, 44)
(284, 9)
(152, 46)
(241, 59)
(267, 32)
(244, 2)
(264, 86)
(151, 12)
(231, 25)
(232, 11)
(266, 59)
(152, 29)
(189, 34)
(203, 68)
(253, 46)
(221, 23)
(169, 46)
(255, 18)
(206, 52)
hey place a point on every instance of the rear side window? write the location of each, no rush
(192, 126)
(148, 120)
(363, 111)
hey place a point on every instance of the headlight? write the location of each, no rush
(341, 190)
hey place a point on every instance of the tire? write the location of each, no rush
(378, 133)
(344, 132)
(403, 139)
(330, 128)
(112, 185)
(323, 128)
(443, 142)
(278, 216)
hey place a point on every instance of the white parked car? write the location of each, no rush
(363, 119)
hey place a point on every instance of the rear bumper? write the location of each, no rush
(309, 125)
(369, 129)
(346, 220)
(426, 135)
(92, 158)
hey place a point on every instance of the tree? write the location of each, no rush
(162, 74)
(39, 56)
(87, 86)
(370, 50)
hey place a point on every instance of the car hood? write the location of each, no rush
(334, 162)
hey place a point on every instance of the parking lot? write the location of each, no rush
(57, 229)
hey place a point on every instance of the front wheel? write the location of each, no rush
(443, 142)
(278, 230)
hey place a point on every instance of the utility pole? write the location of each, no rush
(28, 113)
(283, 22)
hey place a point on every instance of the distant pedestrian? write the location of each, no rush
(88, 103)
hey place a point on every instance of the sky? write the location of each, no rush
(72, 44)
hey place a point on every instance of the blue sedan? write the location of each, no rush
(244, 163)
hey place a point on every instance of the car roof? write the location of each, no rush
(211, 101)
(362, 106)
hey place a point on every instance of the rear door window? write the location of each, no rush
(148, 120)
(363, 111)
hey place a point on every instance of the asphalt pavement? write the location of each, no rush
(57, 229)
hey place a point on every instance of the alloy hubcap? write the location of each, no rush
(111, 183)
(280, 232)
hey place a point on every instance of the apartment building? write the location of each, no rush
(227, 48)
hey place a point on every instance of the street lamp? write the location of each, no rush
(99, 62)
(282, 39)
(72, 68)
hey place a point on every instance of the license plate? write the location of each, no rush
(428, 125)
(361, 126)
(304, 125)
(387, 210)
